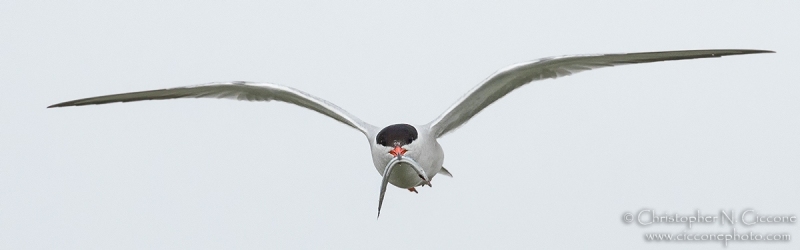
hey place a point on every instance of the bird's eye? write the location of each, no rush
(409, 141)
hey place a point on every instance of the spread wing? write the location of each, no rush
(245, 91)
(506, 80)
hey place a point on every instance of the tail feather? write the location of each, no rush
(444, 171)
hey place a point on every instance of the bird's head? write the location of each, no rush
(396, 137)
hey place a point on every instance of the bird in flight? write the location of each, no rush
(409, 156)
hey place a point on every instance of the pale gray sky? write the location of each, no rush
(555, 164)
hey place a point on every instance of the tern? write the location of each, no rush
(409, 156)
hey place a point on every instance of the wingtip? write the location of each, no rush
(65, 104)
(764, 51)
(729, 52)
(756, 51)
(60, 105)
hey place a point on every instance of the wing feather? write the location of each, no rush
(506, 80)
(244, 91)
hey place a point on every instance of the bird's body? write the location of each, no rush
(412, 151)
(426, 151)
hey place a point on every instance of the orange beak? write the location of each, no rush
(397, 151)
